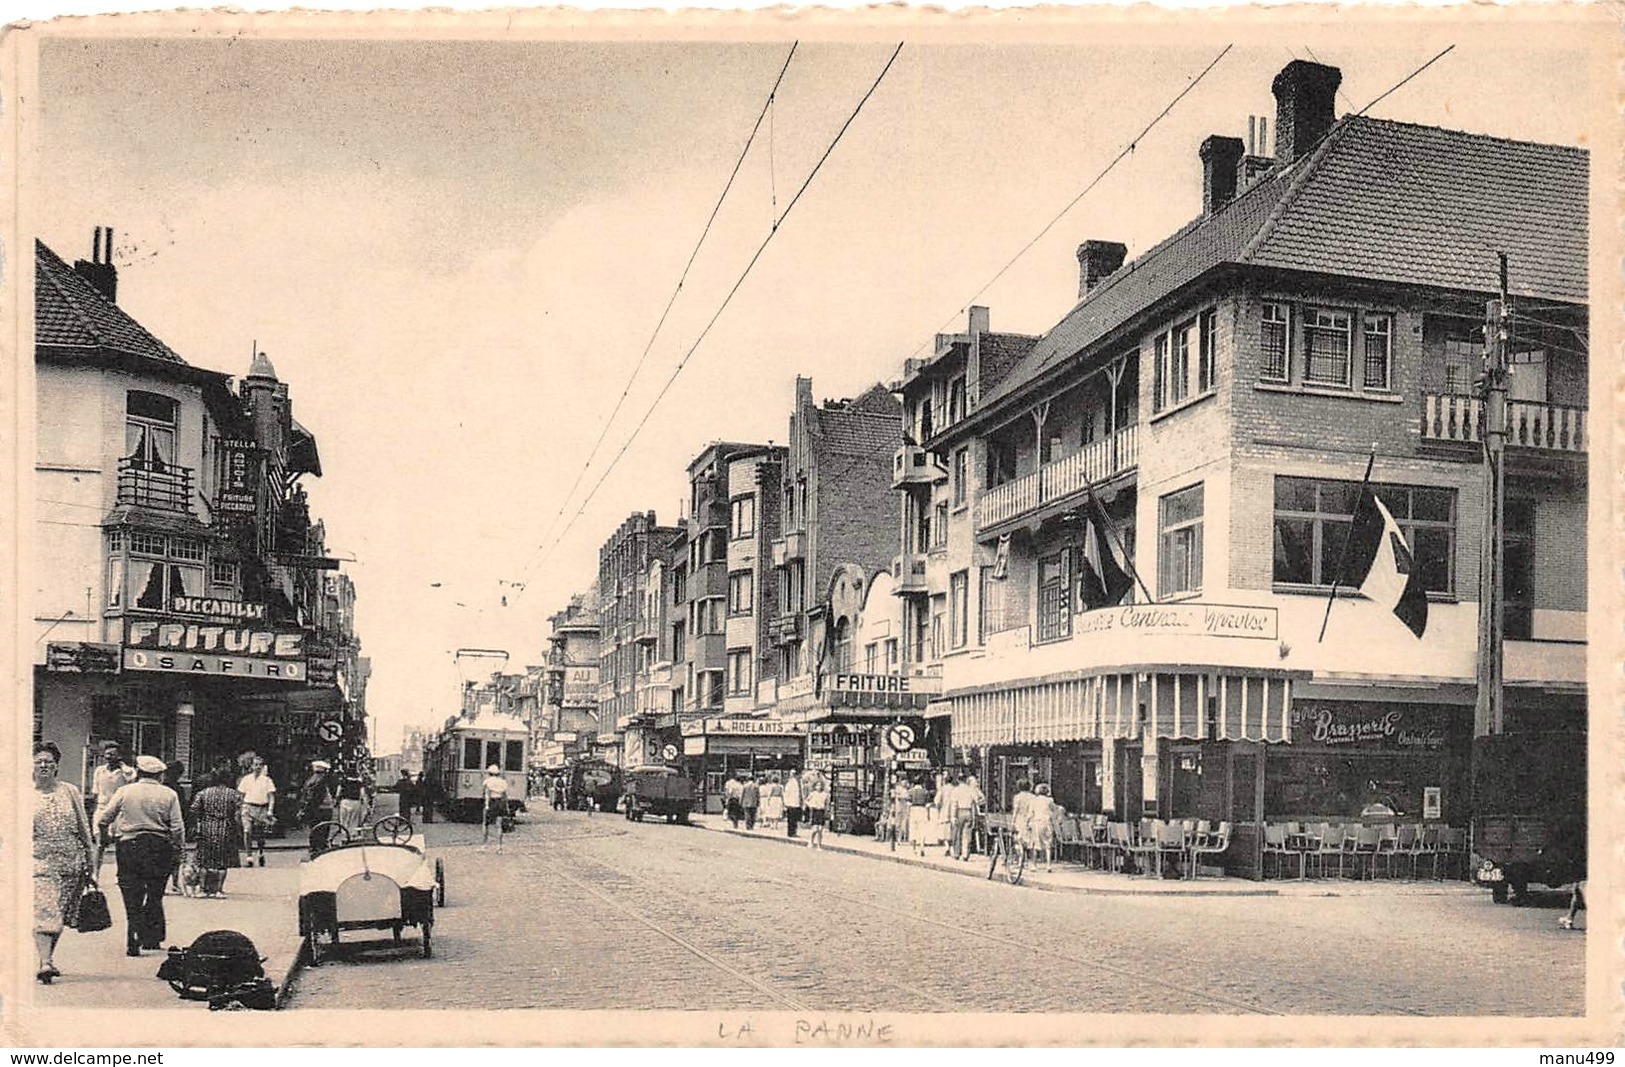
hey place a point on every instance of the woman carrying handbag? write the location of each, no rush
(62, 858)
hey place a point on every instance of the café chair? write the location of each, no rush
(1431, 845)
(1171, 841)
(1332, 836)
(1387, 848)
(1142, 851)
(1210, 844)
(1453, 846)
(1365, 842)
(1405, 844)
(1275, 845)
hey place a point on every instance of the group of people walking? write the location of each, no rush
(781, 797)
(922, 814)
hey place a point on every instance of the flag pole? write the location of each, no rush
(1111, 528)
(1348, 539)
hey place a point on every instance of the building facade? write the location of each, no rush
(1146, 511)
(623, 569)
(184, 603)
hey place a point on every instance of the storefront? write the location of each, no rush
(713, 749)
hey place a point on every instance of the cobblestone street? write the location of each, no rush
(596, 912)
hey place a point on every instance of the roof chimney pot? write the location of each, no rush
(1220, 158)
(1305, 107)
(1097, 260)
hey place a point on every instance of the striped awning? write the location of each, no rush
(1176, 705)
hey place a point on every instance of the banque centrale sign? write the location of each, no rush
(1181, 620)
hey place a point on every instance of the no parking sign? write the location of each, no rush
(331, 731)
(900, 738)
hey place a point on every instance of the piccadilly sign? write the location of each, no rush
(215, 607)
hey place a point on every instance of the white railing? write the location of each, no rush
(1530, 424)
(1092, 464)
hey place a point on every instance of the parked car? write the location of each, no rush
(657, 790)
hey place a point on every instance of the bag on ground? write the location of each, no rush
(218, 962)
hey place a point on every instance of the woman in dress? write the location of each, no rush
(1038, 834)
(772, 801)
(62, 851)
(217, 813)
(919, 816)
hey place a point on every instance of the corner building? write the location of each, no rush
(1220, 395)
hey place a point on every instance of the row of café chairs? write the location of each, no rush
(1143, 846)
(1362, 849)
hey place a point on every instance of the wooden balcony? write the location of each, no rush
(165, 489)
(913, 465)
(1057, 480)
(1459, 418)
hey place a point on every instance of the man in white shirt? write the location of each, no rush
(111, 776)
(259, 793)
(495, 791)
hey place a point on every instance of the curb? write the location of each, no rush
(285, 983)
(971, 871)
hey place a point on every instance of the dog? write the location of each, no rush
(191, 876)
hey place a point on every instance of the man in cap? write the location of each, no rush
(112, 774)
(316, 802)
(146, 822)
(352, 798)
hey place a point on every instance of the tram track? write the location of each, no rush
(871, 905)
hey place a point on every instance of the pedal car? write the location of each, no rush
(383, 879)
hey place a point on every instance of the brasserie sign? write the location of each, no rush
(1368, 726)
(1181, 620)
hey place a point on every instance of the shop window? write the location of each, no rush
(1179, 562)
(1312, 519)
(741, 593)
(1275, 343)
(1054, 598)
(742, 517)
(1326, 336)
(959, 608)
(1518, 569)
(739, 672)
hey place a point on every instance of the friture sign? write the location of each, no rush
(213, 649)
(880, 690)
(215, 607)
(1181, 620)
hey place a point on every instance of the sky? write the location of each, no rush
(456, 252)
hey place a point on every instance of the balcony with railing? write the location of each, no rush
(908, 570)
(167, 488)
(913, 465)
(1061, 478)
(1459, 418)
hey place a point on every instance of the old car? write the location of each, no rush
(383, 879)
(657, 790)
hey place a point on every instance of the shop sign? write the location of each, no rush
(322, 666)
(913, 755)
(165, 636)
(1367, 726)
(286, 670)
(693, 746)
(240, 477)
(81, 657)
(742, 726)
(1181, 620)
(883, 683)
(217, 608)
(563, 736)
(580, 687)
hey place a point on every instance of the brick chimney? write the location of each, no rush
(1305, 107)
(1220, 158)
(1096, 262)
(100, 272)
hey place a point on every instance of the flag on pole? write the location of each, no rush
(1102, 579)
(1381, 564)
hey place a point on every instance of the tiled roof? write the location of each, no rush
(860, 432)
(1380, 200)
(68, 311)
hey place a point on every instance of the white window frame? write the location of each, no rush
(1369, 331)
(1185, 534)
(1275, 313)
(1331, 322)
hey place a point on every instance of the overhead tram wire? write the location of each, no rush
(1477, 310)
(726, 300)
(603, 432)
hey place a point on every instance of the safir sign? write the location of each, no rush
(219, 650)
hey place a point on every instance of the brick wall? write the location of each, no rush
(856, 514)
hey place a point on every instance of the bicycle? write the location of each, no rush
(1004, 849)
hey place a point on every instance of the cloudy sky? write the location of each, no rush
(456, 252)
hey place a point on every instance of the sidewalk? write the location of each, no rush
(1071, 877)
(261, 902)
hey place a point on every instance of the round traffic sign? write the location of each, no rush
(330, 730)
(900, 737)
(669, 752)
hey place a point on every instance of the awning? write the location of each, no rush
(1177, 705)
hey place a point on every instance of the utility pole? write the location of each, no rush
(1487, 717)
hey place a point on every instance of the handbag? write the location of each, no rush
(93, 913)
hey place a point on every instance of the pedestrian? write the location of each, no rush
(148, 831)
(817, 801)
(352, 798)
(426, 792)
(750, 800)
(174, 773)
(405, 794)
(792, 803)
(258, 792)
(772, 802)
(1577, 904)
(112, 775)
(217, 812)
(732, 790)
(898, 828)
(958, 814)
(63, 851)
(972, 797)
(494, 794)
(316, 803)
(919, 816)
(558, 792)
(1038, 833)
